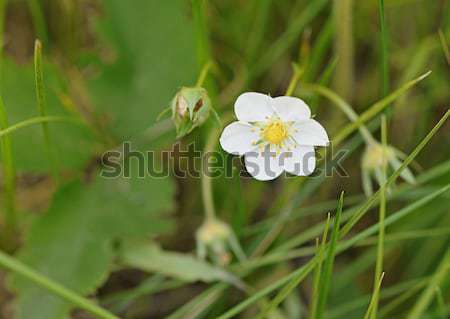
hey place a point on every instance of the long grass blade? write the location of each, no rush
(444, 46)
(384, 56)
(9, 180)
(41, 104)
(201, 32)
(38, 20)
(14, 265)
(38, 120)
(426, 297)
(325, 280)
(309, 266)
(374, 298)
(344, 48)
(288, 37)
(318, 271)
(376, 108)
(381, 217)
(358, 215)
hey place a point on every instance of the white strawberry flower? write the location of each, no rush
(274, 134)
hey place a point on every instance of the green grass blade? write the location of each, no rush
(325, 280)
(381, 232)
(288, 37)
(318, 270)
(40, 95)
(257, 31)
(376, 108)
(201, 32)
(9, 171)
(440, 302)
(400, 299)
(38, 20)
(319, 50)
(374, 298)
(344, 48)
(358, 215)
(38, 120)
(444, 46)
(200, 303)
(343, 106)
(426, 297)
(384, 57)
(325, 277)
(9, 180)
(14, 265)
(402, 213)
(303, 271)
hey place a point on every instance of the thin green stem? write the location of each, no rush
(318, 270)
(41, 104)
(207, 193)
(278, 225)
(38, 120)
(201, 32)
(343, 43)
(329, 262)
(38, 20)
(382, 214)
(294, 79)
(444, 46)
(440, 302)
(203, 74)
(2, 26)
(9, 173)
(376, 108)
(360, 213)
(375, 297)
(14, 265)
(384, 61)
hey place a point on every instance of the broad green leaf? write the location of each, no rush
(74, 144)
(149, 257)
(153, 46)
(72, 242)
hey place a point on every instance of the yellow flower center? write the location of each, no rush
(275, 132)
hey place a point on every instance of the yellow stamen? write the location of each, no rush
(275, 132)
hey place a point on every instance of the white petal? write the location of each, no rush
(253, 107)
(300, 161)
(367, 183)
(291, 108)
(237, 138)
(263, 165)
(310, 132)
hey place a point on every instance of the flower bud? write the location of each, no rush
(375, 162)
(190, 109)
(214, 237)
(376, 156)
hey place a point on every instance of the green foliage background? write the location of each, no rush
(128, 244)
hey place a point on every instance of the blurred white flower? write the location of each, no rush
(274, 134)
(375, 159)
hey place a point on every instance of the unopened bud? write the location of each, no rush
(190, 109)
(213, 237)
